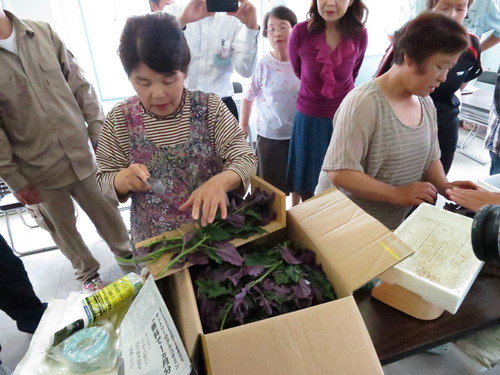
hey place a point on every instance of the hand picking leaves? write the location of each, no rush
(266, 283)
(246, 216)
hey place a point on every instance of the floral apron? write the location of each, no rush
(181, 168)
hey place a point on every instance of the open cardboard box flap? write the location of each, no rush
(307, 341)
(278, 206)
(352, 246)
(330, 338)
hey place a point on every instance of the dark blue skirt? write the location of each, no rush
(308, 145)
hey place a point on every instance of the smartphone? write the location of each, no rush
(222, 5)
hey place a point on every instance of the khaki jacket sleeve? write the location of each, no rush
(9, 172)
(82, 90)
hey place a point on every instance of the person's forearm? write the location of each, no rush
(120, 184)
(246, 110)
(363, 186)
(181, 21)
(228, 180)
(436, 176)
(489, 42)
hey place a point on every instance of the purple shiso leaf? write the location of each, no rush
(228, 253)
(198, 257)
(142, 251)
(302, 290)
(180, 263)
(209, 311)
(188, 237)
(219, 276)
(236, 220)
(240, 307)
(267, 217)
(287, 255)
(306, 256)
(266, 304)
(235, 275)
(268, 284)
(254, 270)
(282, 290)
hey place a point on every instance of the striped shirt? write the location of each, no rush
(113, 153)
(368, 137)
(492, 141)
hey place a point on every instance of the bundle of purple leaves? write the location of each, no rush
(257, 284)
(246, 216)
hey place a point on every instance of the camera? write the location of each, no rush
(222, 5)
(485, 234)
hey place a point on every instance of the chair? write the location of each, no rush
(9, 205)
(475, 110)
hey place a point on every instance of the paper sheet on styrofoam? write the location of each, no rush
(443, 266)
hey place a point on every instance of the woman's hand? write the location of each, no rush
(194, 10)
(457, 184)
(28, 195)
(211, 196)
(415, 193)
(244, 127)
(247, 14)
(473, 199)
(133, 178)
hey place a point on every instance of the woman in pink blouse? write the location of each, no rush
(326, 52)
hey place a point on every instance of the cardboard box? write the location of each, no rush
(278, 206)
(329, 338)
(444, 266)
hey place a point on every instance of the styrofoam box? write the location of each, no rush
(490, 183)
(444, 266)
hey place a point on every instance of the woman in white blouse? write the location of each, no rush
(275, 88)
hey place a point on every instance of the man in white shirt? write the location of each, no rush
(483, 17)
(158, 5)
(220, 43)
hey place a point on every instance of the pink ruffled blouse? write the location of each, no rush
(326, 76)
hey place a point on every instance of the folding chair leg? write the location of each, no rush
(10, 233)
(20, 254)
(20, 213)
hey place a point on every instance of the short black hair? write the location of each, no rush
(156, 40)
(429, 33)
(282, 13)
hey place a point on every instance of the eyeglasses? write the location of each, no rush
(282, 29)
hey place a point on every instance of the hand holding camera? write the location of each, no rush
(247, 14)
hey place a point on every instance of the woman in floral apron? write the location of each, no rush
(174, 152)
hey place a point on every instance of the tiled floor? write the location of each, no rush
(52, 277)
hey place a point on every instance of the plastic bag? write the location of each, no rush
(87, 350)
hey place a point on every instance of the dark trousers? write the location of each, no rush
(17, 297)
(448, 139)
(231, 105)
(495, 163)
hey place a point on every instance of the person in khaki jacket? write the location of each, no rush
(46, 157)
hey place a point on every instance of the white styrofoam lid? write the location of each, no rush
(443, 266)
